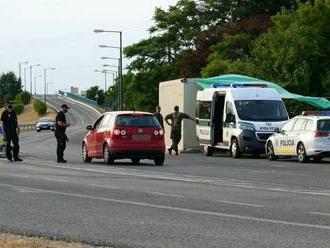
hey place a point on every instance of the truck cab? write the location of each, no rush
(239, 118)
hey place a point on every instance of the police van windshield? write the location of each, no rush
(261, 110)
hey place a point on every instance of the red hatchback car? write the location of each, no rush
(125, 135)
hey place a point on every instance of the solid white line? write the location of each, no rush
(318, 213)
(163, 194)
(103, 186)
(241, 203)
(185, 210)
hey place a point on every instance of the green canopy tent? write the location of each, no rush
(318, 102)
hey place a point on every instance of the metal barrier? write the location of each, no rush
(78, 98)
(24, 127)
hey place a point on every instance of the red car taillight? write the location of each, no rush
(119, 132)
(320, 134)
(159, 132)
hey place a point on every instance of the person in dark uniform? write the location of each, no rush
(159, 116)
(176, 119)
(60, 128)
(11, 132)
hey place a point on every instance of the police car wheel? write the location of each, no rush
(270, 152)
(108, 159)
(208, 151)
(317, 159)
(135, 161)
(85, 156)
(301, 152)
(235, 151)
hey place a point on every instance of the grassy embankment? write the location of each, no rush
(13, 241)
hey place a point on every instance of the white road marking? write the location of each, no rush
(319, 213)
(198, 179)
(163, 194)
(38, 177)
(103, 186)
(185, 210)
(241, 203)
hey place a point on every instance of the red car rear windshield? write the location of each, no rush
(137, 121)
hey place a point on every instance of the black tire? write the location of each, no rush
(85, 156)
(107, 156)
(159, 161)
(301, 153)
(317, 159)
(208, 151)
(38, 131)
(270, 152)
(135, 161)
(234, 149)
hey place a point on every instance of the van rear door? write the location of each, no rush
(217, 110)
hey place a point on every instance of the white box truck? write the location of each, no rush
(180, 92)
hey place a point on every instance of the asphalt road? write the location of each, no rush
(191, 201)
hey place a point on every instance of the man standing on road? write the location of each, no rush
(176, 119)
(11, 131)
(159, 116)
(61, 125)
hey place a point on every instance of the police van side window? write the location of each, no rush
(299, 125)
(288, 126)
(229, 108)
(204, 110)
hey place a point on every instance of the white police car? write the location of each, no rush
(305, 136)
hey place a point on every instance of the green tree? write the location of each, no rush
(23, 97)
(10, 86)
(40, 107)
(96, 94)
(295, 52)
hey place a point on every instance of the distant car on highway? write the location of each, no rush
(45, 123)
(125, 135)
(305, 136)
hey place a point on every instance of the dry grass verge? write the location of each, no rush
(13, 241)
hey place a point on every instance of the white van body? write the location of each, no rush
(238, 119)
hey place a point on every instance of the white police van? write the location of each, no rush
(238, 117)
(305, 136)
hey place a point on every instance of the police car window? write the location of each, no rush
(323, 125)
(204, 110)
(98, 122)
(289, 125)
(309, 125)
(299, 125)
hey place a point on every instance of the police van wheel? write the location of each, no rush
(85, 156)
(270, 152)
(208, 151)
(301, 152)
(108, 159)
(234, 150)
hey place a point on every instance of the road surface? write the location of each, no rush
(191, 201)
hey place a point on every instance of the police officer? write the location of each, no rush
(11, 132)
(176, 119)
(159, 116)
(61, 125)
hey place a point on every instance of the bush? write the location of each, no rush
(18, 108)
(23, 97)
(40, 107)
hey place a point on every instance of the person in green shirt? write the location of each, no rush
(176, 131)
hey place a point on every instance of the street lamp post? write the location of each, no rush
(25, 68)
(20, 68)
(31, 88)
(35, 84)
(121, 95)
(45, 81)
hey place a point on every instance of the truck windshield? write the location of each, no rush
(261, 110)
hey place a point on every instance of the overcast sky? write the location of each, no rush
(59, 33)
